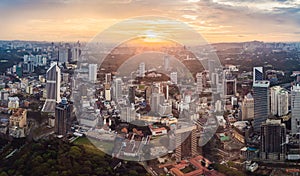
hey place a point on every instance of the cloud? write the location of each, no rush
(215, 19)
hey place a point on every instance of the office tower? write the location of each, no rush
(167, 92)
(107, 78)
(273, 138)
(156, 100)
(295, 107)
(63, 117)
(107, 92)
(131, 94)
(75, 53)
(199, 82)
(53, 80)
(211, 68)
(128, 114)
(174, 79)
(93, 72)
(261, 103)
(258, 74)
(248, 107)
(63, 55)
(166, 63)
(142, 69)
(230, 87)
(118, 88)
(279, 101)
(185, 142)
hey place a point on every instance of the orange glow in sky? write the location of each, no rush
(216, 20)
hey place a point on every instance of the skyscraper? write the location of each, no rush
(63, 55)
(107, 92)
(279, 101)
(63, 117)
(128, 114)
(185, 142)
(199, 80)
(142, 69)
(76, 52)
(273, 136)
(156, 100)
(261, 103)
(107, 78)
(118, 88)
(174, 78)
(131, 94)
(248, 107)
(93, 72)
(53, 77)
(295, 107)
(257, 74)
(211, 68)
(166, 63)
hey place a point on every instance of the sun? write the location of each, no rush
(151, 37)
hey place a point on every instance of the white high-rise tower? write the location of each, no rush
(93, 72)
(295, 106)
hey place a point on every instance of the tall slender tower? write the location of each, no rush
(53, 77)
(93, 72)
(261, 103)
(142, 69)
(295, 106)
(166, 63)
(62, 117)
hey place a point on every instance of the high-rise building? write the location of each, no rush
(53, 80)
(93, 72)
(248, 107)
(273, 138)
(166, 63)
(63, 55)
(258, 74)
(261, 103)
(131, 94)
(211, 68)
(107, 92)
(156, 100)
(174, 78)
(231, 87)
(199, 81)
(118, 88)
(279, 101)
(142, 69)
(128, 114)
(107, 78)
(185, 142)
(295, 107)
(75, 53)
(63, 117)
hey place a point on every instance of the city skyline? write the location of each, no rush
(216, 20)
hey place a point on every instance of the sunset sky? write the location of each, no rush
(215, 20)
